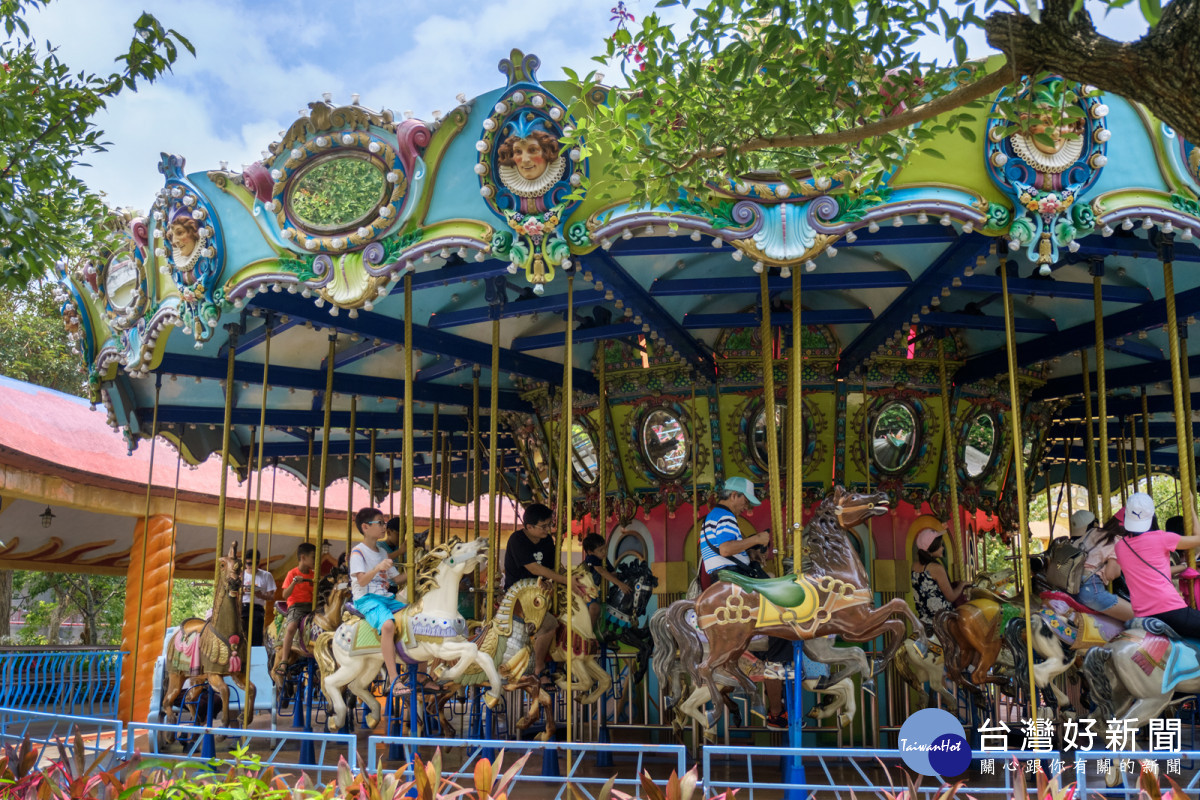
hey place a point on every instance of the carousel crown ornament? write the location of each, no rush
(526, 180)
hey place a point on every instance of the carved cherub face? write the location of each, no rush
(530, 155)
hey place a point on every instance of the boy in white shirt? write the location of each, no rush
(370, 571)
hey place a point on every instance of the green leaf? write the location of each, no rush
(1151, 10)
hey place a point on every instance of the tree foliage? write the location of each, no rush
(50, 599)
(47, 128)
(190, 598)
(837, 88)
(33, 341)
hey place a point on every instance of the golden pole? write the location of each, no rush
(350, 478)
(1089, 440)
(371, 472)
(445, 487)
(1185, 374)
(1050, 515)
(772, 432)
(950, 448)
(1182, 420)
(493, 436)
(476, 446)
(1101, 400)
(1121, 473)
(1146, 437)
(137, 630)
(1019, 462)
(249, 488)
(308, 464)
(796, 420)
(406, 498)
(434, 487)
(328, 411)
(225, 430)
(247, 711)
(392, 485)
(602, 444)
(566, 475)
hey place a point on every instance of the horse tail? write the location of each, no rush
(663, 659)
(951, 649)
(323, 652)
(1014, 638)
(691, 646)
(1097, 668)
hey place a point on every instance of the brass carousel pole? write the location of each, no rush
(1185, 374)
(371, 471)
(493, 435)
(476, 446)
(602, 445)
(249, 488)
(174, 524)
(137, 630)
(247, 711)
(1182, 419)
(1019, 473)
(1146, 439)
(222, 495)
(565, 475)
(951, 451)
(796, 423)
(391, 487)
(432, 537)
(1122, 474)
(327, 412)
(1089, 439)
(1101, 398)
(410, 573)
(767, 339)
(695, 484)
(445, 487)
(308, 465)
(350, 478)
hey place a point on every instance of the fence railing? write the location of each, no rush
(70, 681)
(49, 730)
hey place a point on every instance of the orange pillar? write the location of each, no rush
(150, 582)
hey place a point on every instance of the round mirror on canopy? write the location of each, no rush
(337, 194)
(980, 444)
(584, 455)
(664, 443)
(895, 432)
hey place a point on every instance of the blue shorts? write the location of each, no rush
(378, 608)
(1094, 594)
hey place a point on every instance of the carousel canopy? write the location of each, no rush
(307, 252)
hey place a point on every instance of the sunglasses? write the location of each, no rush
(375, 522)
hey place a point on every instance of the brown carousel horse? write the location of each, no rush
(831, 596)
(326, 618)
(211, 649)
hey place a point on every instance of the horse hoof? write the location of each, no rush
(491, 700)
(372, 721)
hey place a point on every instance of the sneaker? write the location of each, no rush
(774, 671)
(778, 721)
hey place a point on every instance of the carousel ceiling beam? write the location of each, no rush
(252, 339)
(372, 325)
(683, 245)
(978, 322)
(301, 418)
(314, 380)
(440, 369)
(356, 352)
(1130, 247)
(626, 288)
(834, 316)
(1159, 458)
(362, 445)
(1060, 290)
(1125, 406)
(620, 330)
(453, 273)
(815, 282)
(1146, 352)
(1118, 378)
(514, 308)
(949, 264)
(1079, 337)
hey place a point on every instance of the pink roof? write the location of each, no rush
(50, 432)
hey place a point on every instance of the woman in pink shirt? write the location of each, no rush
(1145, 558)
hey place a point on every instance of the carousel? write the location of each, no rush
(448, 304)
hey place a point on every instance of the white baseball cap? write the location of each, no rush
(742, 486)
(1080, 522)
(1139, 513)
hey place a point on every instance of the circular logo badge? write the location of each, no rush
(933, 743)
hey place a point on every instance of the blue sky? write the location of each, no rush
(259, 61)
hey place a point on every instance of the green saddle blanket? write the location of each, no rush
(783, 592)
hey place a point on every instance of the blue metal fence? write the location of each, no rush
(77, 681)
(95, 734)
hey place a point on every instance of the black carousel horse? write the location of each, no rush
(624, 617)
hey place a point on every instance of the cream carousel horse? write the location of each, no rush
(507, 643)
(210, 650)
(675, 658)
(431, 629)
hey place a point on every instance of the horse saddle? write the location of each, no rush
(785, 592)
(1163, 648)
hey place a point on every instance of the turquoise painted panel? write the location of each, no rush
(456, 186)
(1131, 160)
(244, 241)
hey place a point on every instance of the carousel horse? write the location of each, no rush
(678, 642)
(324, 619)
(1056, 657)
(621, 618)
(211, 649)
(832, 595)
(507, 643)
(429, 629)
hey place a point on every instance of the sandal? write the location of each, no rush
(400, 689)
(281, 670)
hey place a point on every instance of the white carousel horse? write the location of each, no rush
(431, 629)
(587, 676)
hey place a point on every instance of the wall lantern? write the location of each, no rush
(47, 517)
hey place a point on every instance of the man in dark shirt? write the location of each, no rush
(531, 554)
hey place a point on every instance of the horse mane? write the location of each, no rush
(427, 567)
(827, 548)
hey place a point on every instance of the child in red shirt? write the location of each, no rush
(298, 591)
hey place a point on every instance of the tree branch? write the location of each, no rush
(956, 98)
